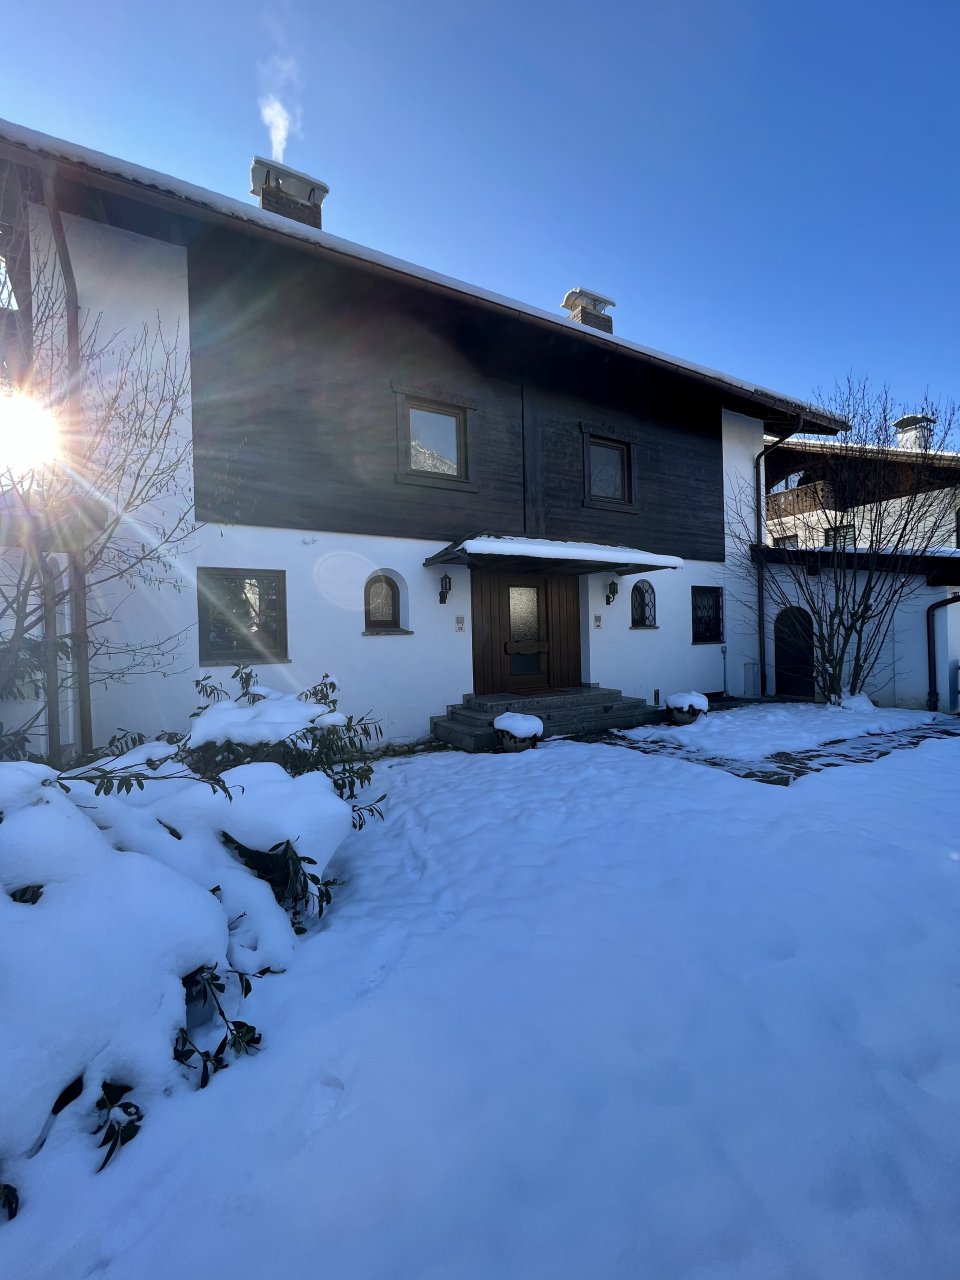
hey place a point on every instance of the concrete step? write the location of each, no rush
(464, 737)
(472, 732)
(534, 703)
(564, 712)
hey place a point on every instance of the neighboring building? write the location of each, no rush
(421, 487)
(837, 512)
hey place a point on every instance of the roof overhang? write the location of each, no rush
(939, 568)
(61, 159)
(550, 555)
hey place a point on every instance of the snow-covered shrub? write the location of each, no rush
(690, 701)
(140, 898)
(302, 732)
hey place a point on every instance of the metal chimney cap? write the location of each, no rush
(586, 298)
(297, 185)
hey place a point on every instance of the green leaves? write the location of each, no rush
(29, 894)
(120, 1120)
(9, 1200)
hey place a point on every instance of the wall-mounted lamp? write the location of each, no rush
(446, 586)
(612, 589)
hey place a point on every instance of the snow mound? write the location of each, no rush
(687, 702)
(518, 725)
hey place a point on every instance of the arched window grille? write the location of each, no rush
(643, 605)
(381, 604)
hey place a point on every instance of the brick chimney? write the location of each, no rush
(286, 191)
(589, 308)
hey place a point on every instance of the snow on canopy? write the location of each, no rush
(490, 544)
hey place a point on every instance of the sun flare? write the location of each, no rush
(29, 434)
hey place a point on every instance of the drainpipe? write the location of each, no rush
(77, 577)
(761, 601)
(933, 697)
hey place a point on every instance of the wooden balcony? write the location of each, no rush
(800, 501)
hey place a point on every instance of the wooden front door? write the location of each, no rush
(526, 632)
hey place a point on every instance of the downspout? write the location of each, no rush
(933, 697)
(77, 577)
(761, 592)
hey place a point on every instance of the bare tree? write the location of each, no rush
(851, 527)
(103, 513)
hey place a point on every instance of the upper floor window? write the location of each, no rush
(707, 611)
(643, 605)
(433, 441)
(607, 471)
(787, 540)
(381, 604)
(841, 536)
(242, 614)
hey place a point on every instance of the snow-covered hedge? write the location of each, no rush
(140, 897)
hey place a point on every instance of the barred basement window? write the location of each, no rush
(643, 605)
(242, 614)
(381, 604)
(707, 610)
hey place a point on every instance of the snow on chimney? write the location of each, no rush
(288, 192)
(915, 431)
(589, 308)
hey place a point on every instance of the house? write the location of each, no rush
(427, 490)
(866, 522)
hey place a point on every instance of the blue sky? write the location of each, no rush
(771, 190)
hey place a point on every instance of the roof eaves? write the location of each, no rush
(225, 207)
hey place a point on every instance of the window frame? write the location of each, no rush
(375, 626)
(830, 537)
(787, 541)
(256, 652)
(406, 472)
(649, 593)
(625, 448)
(717, 594)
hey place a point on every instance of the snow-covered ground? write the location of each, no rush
(578, 1013)
(752, 732)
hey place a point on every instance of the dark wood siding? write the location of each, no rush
(298, 361)
(297, 365)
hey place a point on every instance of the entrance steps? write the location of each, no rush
(469, 726)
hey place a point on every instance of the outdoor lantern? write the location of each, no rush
(612, 590)
(445, 587)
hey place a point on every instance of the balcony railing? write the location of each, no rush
(797, 502)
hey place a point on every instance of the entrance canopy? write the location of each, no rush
(541, 555)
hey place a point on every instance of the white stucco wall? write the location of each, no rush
(401, 679)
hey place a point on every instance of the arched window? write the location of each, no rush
(381, 604)
(643, 605)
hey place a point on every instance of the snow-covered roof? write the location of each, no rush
(574, 557)
(255, 219)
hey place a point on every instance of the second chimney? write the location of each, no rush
(589, 308)
(288, 192)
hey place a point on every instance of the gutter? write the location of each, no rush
(77, 577)
(759, 497)
(933, 697)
